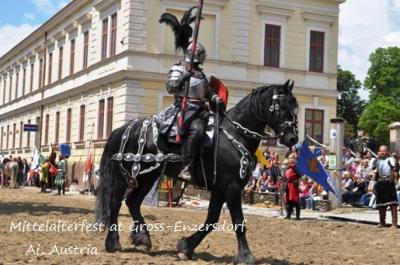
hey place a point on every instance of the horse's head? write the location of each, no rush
(277, 106)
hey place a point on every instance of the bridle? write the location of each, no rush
(275, 109)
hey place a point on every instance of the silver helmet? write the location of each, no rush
(199, 55)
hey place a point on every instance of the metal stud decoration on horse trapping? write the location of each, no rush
(139, 157)
(246, 161)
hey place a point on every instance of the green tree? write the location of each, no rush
(378, 115)
(383, 77)
(349, 105)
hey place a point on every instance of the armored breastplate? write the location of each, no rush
(197, 88)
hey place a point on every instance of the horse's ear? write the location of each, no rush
(286, 84)
(291, 86)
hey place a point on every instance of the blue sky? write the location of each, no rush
(364, 25)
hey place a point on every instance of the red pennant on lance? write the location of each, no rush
(220, 89)
(89, 163)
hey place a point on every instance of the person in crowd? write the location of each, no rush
(292, 195)
(257, 171)
(366, 197)
(25, 170)
(272, 186)
(292, 153)
(347, 186)
(323, 158)
(61, 175)
(385, 189)
(275, 169)
(20, 166)
(13, 167)
(304, 191)
(249, 190)
(355, 167)
(262, 182)
(371, 160)
(44, 175)
(364, 171)
(348, 160)
(313, 193)
(359, 189)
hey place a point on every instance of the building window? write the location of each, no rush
(100, 121)
(104, 38)
(60, 62)
(31, 79)
(1, 139)
(16, 85)
(315, 124)
(4, 90)
(7, 136)
(10, 89)
(50, 67)
(40, 73)
(317, 51)
(72, 58)
(46, 130)
(23, 81)
(113, 34)
(57, 129)
(28, 136)
(14, 134)
(82, 123)
(69, 117)
(272, 45)
(21, 129)
(85, 49)
(110, 106)
(37, 139)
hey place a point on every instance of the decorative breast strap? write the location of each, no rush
(246, 162)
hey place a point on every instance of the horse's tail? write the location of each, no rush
(105, 187)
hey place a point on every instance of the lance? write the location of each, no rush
(181, 116)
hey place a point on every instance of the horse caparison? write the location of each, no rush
(273, 106)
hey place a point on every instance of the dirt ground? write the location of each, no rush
(273, 241)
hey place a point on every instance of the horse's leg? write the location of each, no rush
(139, 234)
(112, 240)
(234, 201)
(187, 245)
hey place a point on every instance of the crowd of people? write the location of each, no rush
(47, 174)
(280, 176)
(361, 177)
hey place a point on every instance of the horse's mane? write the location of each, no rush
(251, 102)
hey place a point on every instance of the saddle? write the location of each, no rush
(208, 137)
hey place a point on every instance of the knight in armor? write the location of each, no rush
(196, 113)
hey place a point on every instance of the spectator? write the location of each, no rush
(257, 171)
(13, 167)
(262, 182)
(304, 191)
(25, 170)
(347, 186)
(20, 167)
(323, 158)
(366, 198)
(271, 185)
(249, 190)
(314, 192)
(275, 170)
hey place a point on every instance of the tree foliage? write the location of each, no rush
(350, 105)
(383, 77)
(378, 115)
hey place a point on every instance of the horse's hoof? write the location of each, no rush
(144, 248)
(182, 256)
(247, 259)
(113, 248)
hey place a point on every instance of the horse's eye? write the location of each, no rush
(295, 111)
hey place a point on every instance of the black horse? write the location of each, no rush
(240, 134)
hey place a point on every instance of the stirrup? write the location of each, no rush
(185, 174)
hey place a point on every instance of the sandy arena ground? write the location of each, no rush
(273, 241)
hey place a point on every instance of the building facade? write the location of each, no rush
(98, 63)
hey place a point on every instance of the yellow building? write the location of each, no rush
(98, 63)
